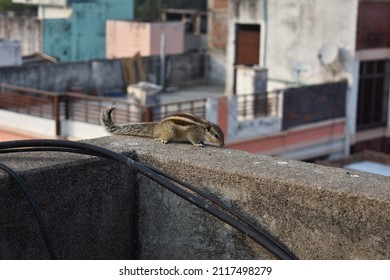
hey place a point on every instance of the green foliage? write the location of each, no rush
(7, 5)
(149, 10)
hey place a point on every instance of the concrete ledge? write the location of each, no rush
(87, 205)
(97, 209)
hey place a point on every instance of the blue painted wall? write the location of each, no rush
(83, 35)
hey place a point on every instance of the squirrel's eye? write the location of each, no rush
(216, 136)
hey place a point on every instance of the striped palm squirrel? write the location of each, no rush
(181, 127)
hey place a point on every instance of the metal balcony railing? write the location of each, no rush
(250, 106)
(87, 108)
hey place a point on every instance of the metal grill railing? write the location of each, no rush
(40, 103)
(30, 101)
(196, 107)
(251, 106)
(87, 108)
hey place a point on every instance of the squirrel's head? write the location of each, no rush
(214, 134)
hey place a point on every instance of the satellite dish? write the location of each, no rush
(328, 53)
(337, 60)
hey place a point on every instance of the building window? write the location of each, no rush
(247, 44)
(373, 99)
(373, 25)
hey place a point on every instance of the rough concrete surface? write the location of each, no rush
(87, 205)
(318, 212)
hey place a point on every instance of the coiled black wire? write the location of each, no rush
(34, 206)
(216, 208)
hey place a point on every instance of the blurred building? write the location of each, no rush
(303, 80)
(127, 38)
(76, 29)
(307, 42)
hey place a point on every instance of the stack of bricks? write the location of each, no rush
(218, 24)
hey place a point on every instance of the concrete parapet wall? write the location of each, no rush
(97, 209)
(103, 76)
(87, 205)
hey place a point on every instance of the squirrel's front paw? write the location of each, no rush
(198, 145)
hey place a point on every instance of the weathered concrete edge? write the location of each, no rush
(318, 212)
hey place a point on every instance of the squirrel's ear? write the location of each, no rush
(208, 127)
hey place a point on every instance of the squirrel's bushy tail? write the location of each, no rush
(107, 120)
(134, 129)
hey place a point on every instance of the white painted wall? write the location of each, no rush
(28, 124)
(60, 3)
(45, 128)
(48, 12)
(292, 32)
(298, 29)
(256, 127)
(81, 130)
(250, 80)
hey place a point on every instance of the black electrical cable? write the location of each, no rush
(261, 237)
(249, 232)
(34, 206)
(186, 185)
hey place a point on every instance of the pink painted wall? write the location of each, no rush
(126, 38)
(223, 114)
(174, 37)
(291, 138)
(9, 135)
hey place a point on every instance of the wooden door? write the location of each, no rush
(247, 44)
